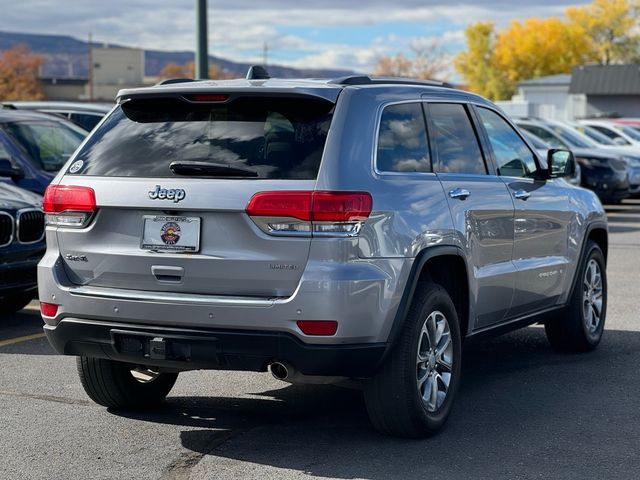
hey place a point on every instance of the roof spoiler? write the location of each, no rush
(171, 81)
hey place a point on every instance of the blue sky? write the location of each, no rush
(327, 34)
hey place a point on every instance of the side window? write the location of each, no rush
(4, 153)
(544, 135)
(85, 120)
(402, 140)
(512, 155)
(455, 140)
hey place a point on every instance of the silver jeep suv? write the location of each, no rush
(356, 228)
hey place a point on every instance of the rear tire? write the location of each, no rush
(412, 394)
(14, 303)
(113, 384)
(580, 329)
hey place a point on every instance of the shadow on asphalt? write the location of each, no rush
(523, 411)
(22, 323)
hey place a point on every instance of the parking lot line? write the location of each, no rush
(25, 338)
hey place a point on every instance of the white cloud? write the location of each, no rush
(238, 28)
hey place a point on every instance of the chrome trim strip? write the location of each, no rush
(17, 226)
(13, 229)
(168, 297)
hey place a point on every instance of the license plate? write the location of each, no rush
(174, 234)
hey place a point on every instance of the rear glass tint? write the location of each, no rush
(277, 138)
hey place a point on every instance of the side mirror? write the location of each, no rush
(561, 163)
(8, 170)
(620, 141)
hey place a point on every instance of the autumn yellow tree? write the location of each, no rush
(19, 74)
(187, 70)
(477, 65)
(612, 28)
(539, 47)
(605, 31)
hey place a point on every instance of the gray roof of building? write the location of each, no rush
(562, 79)
(606, 80)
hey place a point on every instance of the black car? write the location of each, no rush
(601, 170)
(21, 246)
(86, 115)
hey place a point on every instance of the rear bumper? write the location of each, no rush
(609, 187)
(189, 349)
(19, 276)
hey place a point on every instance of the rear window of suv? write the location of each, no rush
(266, 137)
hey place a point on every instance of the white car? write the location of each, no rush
(620, 135)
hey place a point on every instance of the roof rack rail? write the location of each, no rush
(256, 72)
(367, 80)
(171, 81)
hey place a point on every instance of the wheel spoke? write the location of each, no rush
(587, 313)
(443, 388)
(597, 305)
(444, 345)
(422, 379)
(432, 330)
(433, 398)
(444, 364)
(441, 326)
(423, 347)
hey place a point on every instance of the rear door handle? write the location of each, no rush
(165, 273)
(459, 193)
(521, 194)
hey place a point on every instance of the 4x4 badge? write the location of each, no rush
(175, 194)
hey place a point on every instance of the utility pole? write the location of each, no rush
(265, 54)
(90, 67)
(202, 54)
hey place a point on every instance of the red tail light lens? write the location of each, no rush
(318, 327)
(340, 206)
(208, 97)
(69, 206)
(48, 309)
(292, 204)
(303, 212)
(62, 198)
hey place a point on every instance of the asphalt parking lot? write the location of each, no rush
(523, 411)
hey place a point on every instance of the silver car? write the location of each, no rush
(353, 229)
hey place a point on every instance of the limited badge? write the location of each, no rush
(170, 233)
(76, 166)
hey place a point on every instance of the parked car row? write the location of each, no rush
(33, 147)
(609, 163)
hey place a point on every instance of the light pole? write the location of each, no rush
(202, 54)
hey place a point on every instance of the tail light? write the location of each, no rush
(48, 309)
(303, 213)
(69, 206)
(318, 327)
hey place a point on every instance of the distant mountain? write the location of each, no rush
(68, 57)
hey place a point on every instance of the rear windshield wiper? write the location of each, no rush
(207, 169)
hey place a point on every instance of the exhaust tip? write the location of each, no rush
(279, 370)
